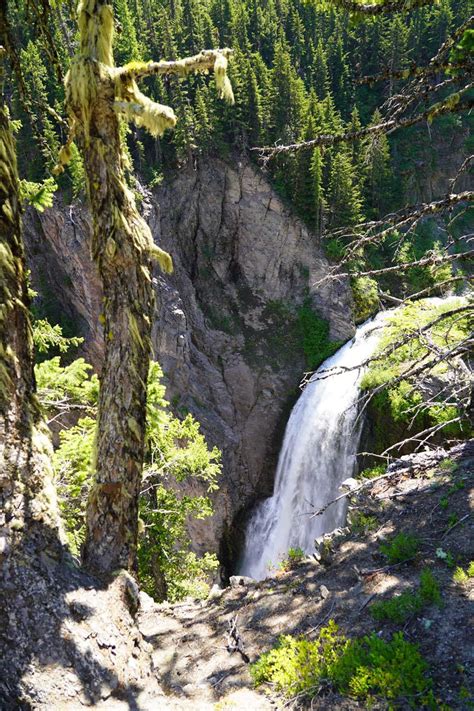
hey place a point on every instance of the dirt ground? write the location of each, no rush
(112, 648)
(431, 501)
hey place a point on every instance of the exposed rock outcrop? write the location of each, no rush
(226, 330)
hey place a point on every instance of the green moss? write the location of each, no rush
(314, 330)
(366, 298)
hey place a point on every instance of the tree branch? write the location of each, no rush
(432, 259)
(369, 232)
(380, 8)
(202, 62)
(442, 107)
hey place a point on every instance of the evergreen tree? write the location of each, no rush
(253, 106)
(320, 74)
(394, 46)
(203, 124)
(318, 199)
(35, 78)
(126, 46)
(378, 175)
(344, 199)
(289, 100)
(355, 147)
(340, 74)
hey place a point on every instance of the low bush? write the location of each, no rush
(372, 472)
(294, 556)
(363, 668)
(361, 523)
(461, 576)
(402, 547)
(400, 607)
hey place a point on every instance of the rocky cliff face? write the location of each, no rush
(226, 329)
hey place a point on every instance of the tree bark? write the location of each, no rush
(120, 246)
(28, 508)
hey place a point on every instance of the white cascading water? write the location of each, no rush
(318, 453)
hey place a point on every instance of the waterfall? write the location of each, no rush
(318, 453)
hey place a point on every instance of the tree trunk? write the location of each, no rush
(121, 247)
(125, 269)
(27, 498)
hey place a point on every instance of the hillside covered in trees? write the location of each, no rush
(297, 71)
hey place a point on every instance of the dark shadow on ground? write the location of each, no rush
(58, 640)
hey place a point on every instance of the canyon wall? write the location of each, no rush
(226, 330)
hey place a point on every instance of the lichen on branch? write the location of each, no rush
(96, 32)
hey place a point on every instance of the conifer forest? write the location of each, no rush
(236, 354)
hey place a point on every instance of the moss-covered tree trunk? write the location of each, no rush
(125, 269)
(28, 512)
(97, 93)
(121, 249)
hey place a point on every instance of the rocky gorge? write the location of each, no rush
(226, 332)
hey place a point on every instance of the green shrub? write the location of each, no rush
(47, 337)
(461, 576)
(315, 334)
(372, 472)
(175, 452)
(402, 547)
(72, 468)
(363, 668)
(361, 523)
(400, 607)
(294, 556)
(366, 297)
(446, 556)
(72, 385)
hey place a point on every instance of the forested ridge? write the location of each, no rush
(296, 73)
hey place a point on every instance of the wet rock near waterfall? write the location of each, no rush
(236, 581)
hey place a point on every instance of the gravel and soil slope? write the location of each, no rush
(430, 497)
(73, 644)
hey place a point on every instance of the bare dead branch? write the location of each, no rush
(328, 372)
(431, 260)
(431, 431)
(413, 71)
(388, 127)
